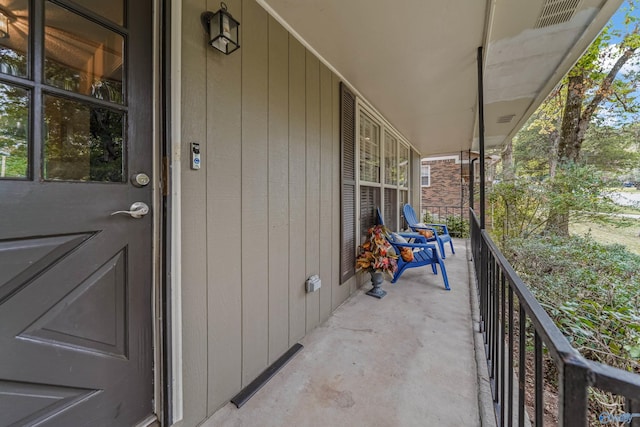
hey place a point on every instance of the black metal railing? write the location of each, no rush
(530, 360)
(455, 217)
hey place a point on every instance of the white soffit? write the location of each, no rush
(415, 60)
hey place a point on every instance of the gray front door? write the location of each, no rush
(75, 281)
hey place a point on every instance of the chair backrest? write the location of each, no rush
(410, 215)
(379, 220)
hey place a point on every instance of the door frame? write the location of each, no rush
(167, 300)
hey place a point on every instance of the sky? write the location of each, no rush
(632, 66)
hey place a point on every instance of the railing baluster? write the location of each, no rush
(522, 368)
(538, 382)
(510, 366)
(503, 343)
(496, 323)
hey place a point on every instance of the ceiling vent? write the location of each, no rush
(556, 12)
(505, 119)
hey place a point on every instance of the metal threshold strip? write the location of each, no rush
(255, 385)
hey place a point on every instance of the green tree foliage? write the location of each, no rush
(14, 113)
(590, 86)
(612, 149)
(520, 207)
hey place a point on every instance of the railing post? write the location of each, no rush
(481, 138)
(574, 385)
(471, 188)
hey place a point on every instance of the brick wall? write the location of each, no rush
(445, 189)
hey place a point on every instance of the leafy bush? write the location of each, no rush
(592, 292)
(457, 225)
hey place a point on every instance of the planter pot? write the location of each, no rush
(376, 281)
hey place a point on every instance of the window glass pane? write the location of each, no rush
(390, 159)
(369, 201)
(391, 208)
(82, 56)
(425, 175)
(14, 126)
(14, 45)
(403, 166)
(82, 142)
(369, 149)
(112, 10)
(403, 200)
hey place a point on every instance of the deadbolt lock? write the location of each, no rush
(140, 179)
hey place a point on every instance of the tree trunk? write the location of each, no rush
(507, 161)
(575, 121)
(569, 144)
(553, 157)
(571, 136)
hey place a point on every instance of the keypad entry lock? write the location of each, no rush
(195, 155)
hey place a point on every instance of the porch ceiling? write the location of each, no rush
(415, 60)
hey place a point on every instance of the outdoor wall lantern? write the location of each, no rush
(222, 29)
(4, 25)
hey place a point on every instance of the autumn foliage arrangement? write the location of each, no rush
(376, 254)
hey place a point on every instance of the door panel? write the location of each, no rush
(75, 281)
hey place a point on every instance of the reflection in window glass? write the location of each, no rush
(82, 56)
(390, 159)
(14, 45)
(112, 10)
(369, 149)
(82, 142)
(403, 166)
(14, 126)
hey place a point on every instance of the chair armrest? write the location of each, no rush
(417, 237)
(415, 245)
(418, 227)
(444, 227)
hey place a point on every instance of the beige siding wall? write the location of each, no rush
(262, 214)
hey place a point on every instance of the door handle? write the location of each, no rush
(137, 210)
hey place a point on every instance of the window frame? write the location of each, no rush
(401, 143)
(422, 175)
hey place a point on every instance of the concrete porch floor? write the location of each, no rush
(406, 360)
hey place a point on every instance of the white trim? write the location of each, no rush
(359, 96)
(438, 158)
(176, 218)
(421, 175)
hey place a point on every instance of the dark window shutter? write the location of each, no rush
(348, 183)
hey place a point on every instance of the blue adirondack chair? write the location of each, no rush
(412, 237)
(423, 253)
(441, 237)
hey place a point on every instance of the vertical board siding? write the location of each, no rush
(255, 295)
(326, 183)
(223, 159)
(313, 184)
(297, 191)
(263, 212)
(278, 190)
(194, 270)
